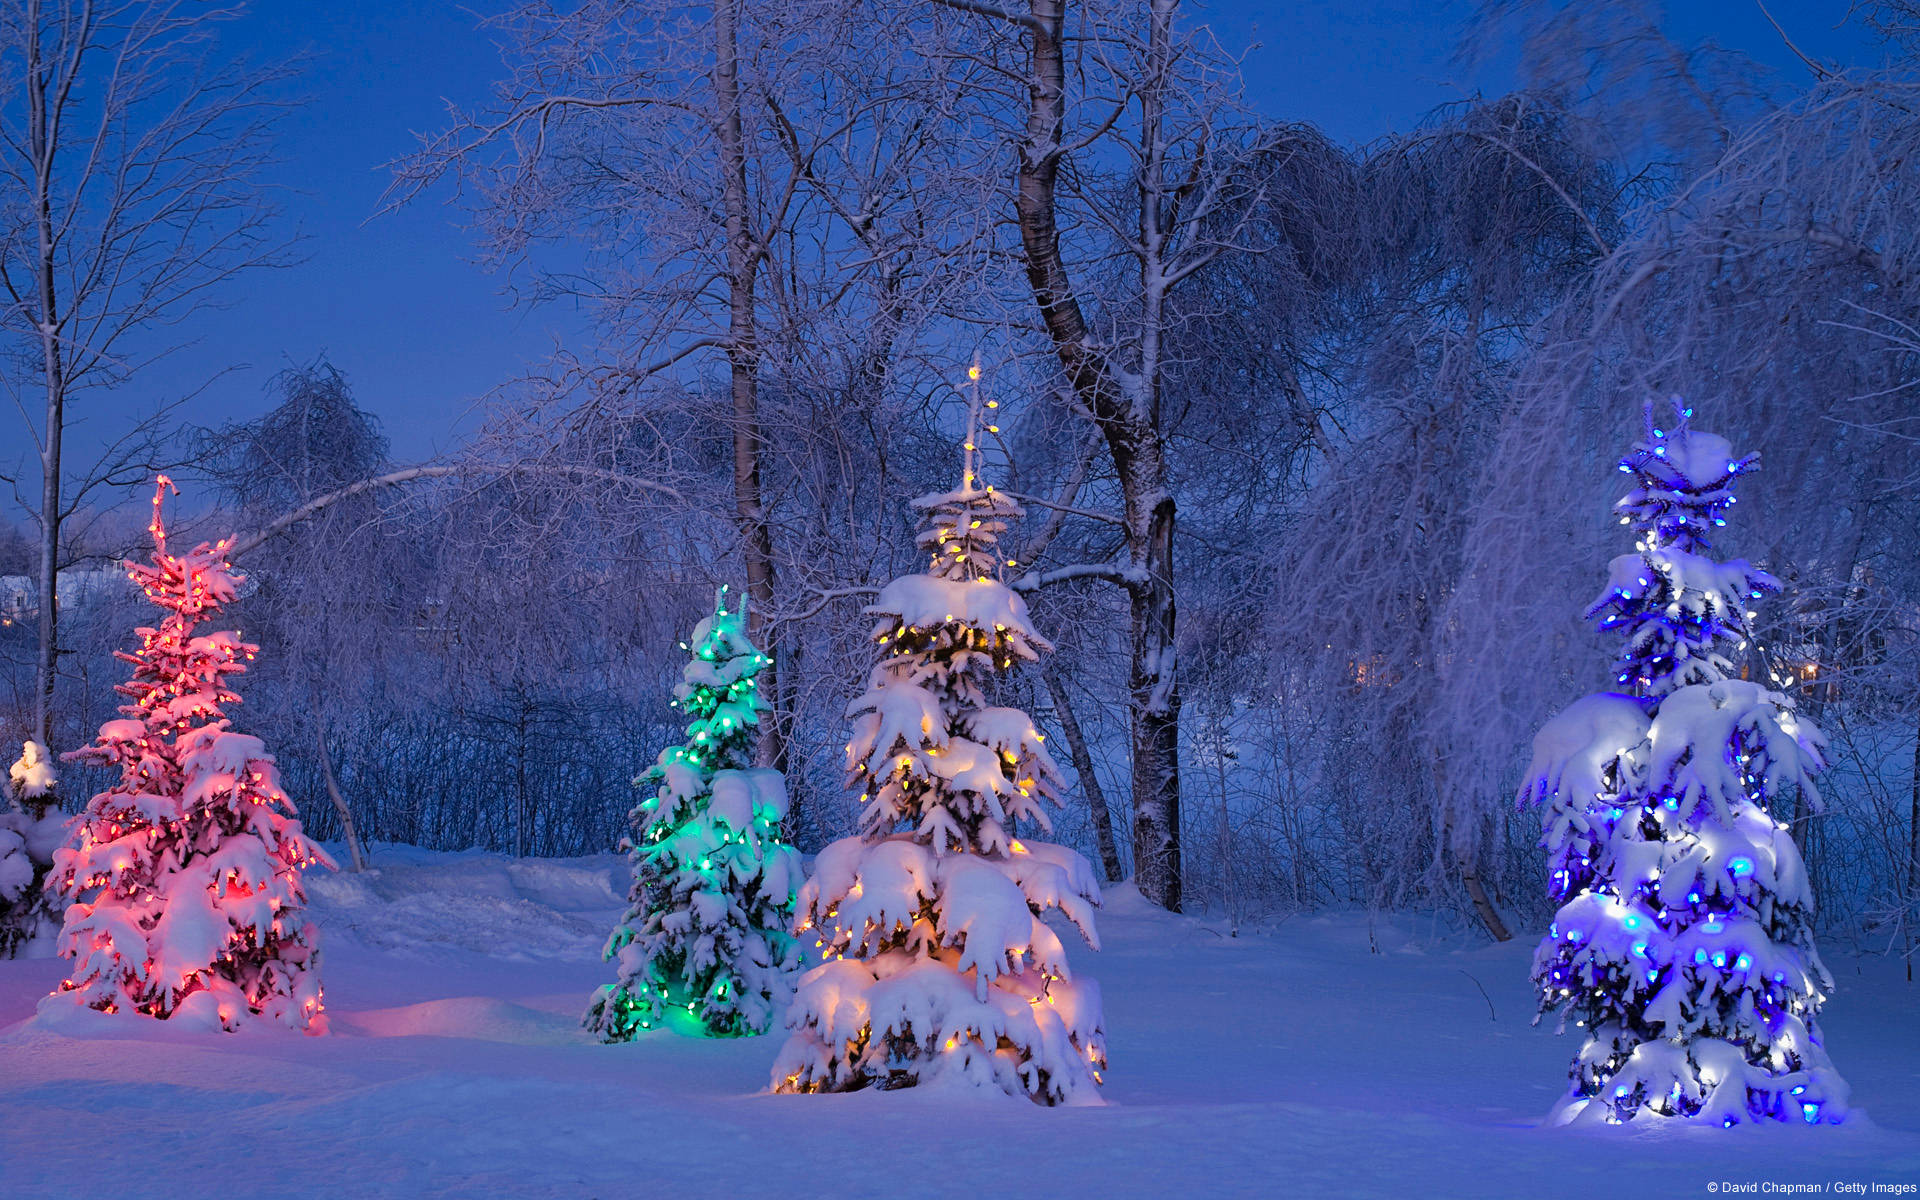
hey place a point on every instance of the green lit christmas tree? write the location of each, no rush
(706, 932)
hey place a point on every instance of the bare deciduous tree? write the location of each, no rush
(130, 154)
(644, 125)
(1138, 115)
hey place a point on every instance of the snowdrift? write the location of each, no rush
(1291, 1062)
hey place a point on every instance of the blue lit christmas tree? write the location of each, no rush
(706, 933)
(1683, 943)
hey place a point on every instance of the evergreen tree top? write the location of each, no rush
(196, 584)
(961, 531)
(1681, 611)
(718, 692)
(723, 654)
(1683, 482)
(177, 682)
(961, 587)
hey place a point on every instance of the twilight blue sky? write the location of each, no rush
(422, 332)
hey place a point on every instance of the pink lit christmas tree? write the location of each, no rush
(196, 853)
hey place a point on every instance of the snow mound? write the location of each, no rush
(417, 901)
(477, 1018)
(57, 1018)
(1293, 1061)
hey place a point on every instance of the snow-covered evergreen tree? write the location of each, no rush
(708, 929)
(1683, 942)
(193, 860)
(939, 968)
(31, 829)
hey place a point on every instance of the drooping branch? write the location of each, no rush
(1068, 509)
(997, 13)
(280, 525)
(318, 504)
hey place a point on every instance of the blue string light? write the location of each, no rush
(1677, 635)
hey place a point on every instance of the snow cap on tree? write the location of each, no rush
(31, 829)
(939, 969)
(193, 860)
(707, 930)
(32, 776)
(1677, 608)
(1683, 943)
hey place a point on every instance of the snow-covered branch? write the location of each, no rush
(1130, 578)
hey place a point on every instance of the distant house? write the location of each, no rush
(16, 598)
(78, 589)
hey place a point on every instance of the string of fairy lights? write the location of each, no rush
(683, 851)
(190, 791)
(1628, 953)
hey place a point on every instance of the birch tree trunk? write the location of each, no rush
(356, 850)
(132, 155)
(744, 254)
(1089, 781)
(43, 105)
(1125, 405)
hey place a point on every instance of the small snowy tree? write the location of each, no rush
(707, 930)
(195, 855)
(31, 829)
(939, 968)
(1683, 943)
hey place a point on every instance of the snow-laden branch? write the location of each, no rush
(1130, 578)
(319, 503)
(997, 13)
(1126, 577)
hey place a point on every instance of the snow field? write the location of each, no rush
(1289, 1062)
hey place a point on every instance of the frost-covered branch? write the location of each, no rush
(243, 544)
(1130, 578)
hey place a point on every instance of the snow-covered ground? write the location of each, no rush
(1290, 1063)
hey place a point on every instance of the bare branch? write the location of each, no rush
(242, 544)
